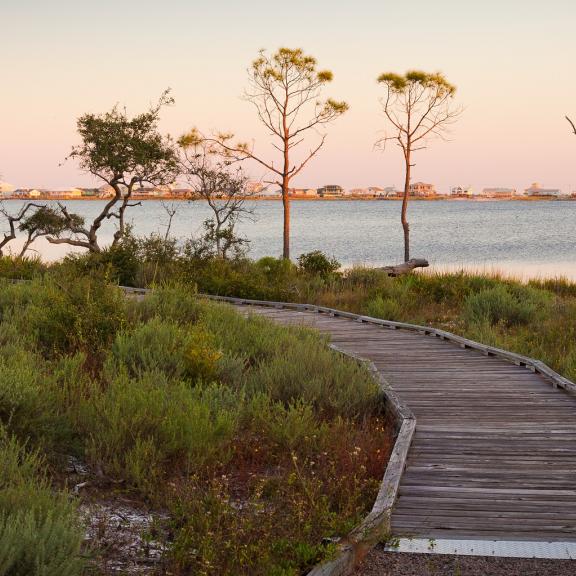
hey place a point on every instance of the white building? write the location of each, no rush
(537, 190)
(331, 190)
(499, 192)
(461, 191)
(309, 192)
(422, 189)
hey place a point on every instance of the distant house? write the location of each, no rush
(303, 192)
(149, 192)
(537, 190)
(499, 192)
(422, 189)
(268, 193)
(331, 190)
(461, 191)
(182, 193)
(89, 192)
(33, 193)
(359, 192)
(376, 191)
(391, 191)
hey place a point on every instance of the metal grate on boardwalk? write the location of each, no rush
(494, 452)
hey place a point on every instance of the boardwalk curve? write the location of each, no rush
(494, 451)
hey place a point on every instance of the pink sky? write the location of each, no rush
(512, 63)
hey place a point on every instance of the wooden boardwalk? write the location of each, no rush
(494, 453)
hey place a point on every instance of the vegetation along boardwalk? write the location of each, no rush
(494, 452)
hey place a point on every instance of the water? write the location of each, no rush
(524, 239)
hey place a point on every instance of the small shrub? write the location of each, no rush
(509, 306)
(385, 308)
(25, 403)
(318, 263)
(25, 268)
(80, 314)
(163, 346)
(153, 423)
(39, 532)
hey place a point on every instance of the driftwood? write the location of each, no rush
(406, 267)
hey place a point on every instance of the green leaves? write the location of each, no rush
(119, 149)
(399, 84)
(46, 220)
(395, 82)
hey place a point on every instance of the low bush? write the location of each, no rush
(25, 268)
(39, 531)
(143, 429)
(385, 308)
(65, 314)
(166, 347)
(318, 263)
(509, 306)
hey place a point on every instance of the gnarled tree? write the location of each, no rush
(285, 89)
(13, 221)
(44, 221)
(124, 153)
(418, 107)
(223, 187)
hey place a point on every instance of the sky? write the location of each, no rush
(512, 61)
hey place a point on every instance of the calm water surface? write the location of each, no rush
(520, 238)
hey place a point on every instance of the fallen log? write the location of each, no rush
(406, 267)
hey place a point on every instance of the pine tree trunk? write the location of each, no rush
(404, 219)
(286, 203)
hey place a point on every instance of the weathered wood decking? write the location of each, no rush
(494, 453)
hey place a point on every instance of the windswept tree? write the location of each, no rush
(14, 221)
(285, 89)
(36, 220)
(43, 221)
(124, 153)
(418, 107)
(212, 178)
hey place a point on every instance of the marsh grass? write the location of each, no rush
(257, 440)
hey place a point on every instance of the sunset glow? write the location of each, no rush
(510, 61)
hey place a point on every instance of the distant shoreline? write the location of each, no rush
(315, 199)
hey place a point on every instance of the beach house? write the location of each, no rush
(499, 192)
(422, 189)
(537, 190)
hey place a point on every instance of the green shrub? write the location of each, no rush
(21, 268)
(147, 425)
(73, 314)
(163, 346)
(25, 403)
(332, 384)
(176, 302)
(39, 531)
(385, 308)
(509, 306)
(317, 262)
